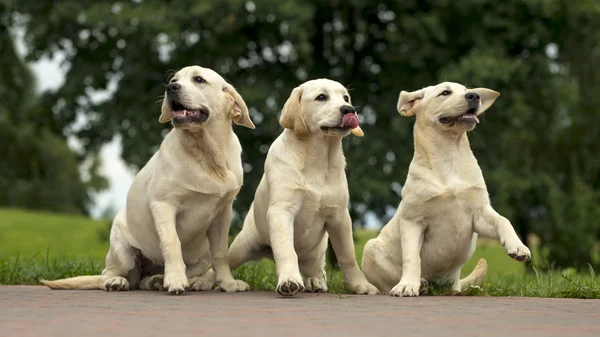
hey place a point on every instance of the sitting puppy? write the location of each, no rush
(445, 202)
(179, 204)
(303, 194)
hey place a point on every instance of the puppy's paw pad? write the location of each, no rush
(424, 287)
(176, 285)
(315, 285)
(201, 284)
(521, 253)
(231, 286)
(290, 287)
(116, 283)
(365, 288)
(406, 290)
(154, 282)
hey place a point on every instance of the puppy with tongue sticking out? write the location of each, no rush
(445, 204)
(348, 122)
(302, 198)
(351, 121)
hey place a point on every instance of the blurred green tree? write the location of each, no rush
(542, 55)
(39, 171)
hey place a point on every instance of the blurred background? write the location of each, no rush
(80, 83)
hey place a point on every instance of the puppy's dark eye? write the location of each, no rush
(173, 80)
(199, 79)
(346, 98)
(445, 93)
(321, 97)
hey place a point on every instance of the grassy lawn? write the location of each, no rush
(44, 245)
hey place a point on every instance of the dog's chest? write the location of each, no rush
(326, 196)
(452, 204)
(323, 199)
(208, 183)
(430, 193)
(446, 210)
(196, 214)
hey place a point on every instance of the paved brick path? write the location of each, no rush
(37, 311)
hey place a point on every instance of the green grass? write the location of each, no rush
(27, 233)
(36, 245)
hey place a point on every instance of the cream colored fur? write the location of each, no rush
(445, 202)
(179, 205)
(303, 197)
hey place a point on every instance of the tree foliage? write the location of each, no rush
(39, 171)
(542, 55)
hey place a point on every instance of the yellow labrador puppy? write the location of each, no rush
(445, 203)
(303, 194)
(179, 205)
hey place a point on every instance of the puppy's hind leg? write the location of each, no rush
(120, 264)
(312, 267)
(378, 268)
(200, 276)
(121, 258)
(153, 276)
(246, 245)
(340, 231)
(476, 277)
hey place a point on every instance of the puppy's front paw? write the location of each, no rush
(175, 283)
(406, 289)
(232, 285)
(116, 283)
(364, 288)
(315, 284)
(517, 251)
(290, 286)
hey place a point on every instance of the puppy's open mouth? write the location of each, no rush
(467, 117)
(349, 121)
(334, 128)
(183, 114)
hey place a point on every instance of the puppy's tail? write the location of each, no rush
(79, 282)
(476, 277)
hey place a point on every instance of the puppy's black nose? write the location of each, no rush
(347, 109)
(472, 96)
(173, 87)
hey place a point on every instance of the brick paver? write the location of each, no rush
(38, 311)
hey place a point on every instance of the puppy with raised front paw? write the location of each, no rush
(179, 205)
(445, 202)
(303, 195)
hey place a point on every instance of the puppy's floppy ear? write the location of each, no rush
(239, 110)
(487, 96)
(291, 114)
(165, 113)
(407, 101)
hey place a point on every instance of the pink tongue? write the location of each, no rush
(350, 120)
(470, 116)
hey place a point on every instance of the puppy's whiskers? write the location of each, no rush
(170, 73)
